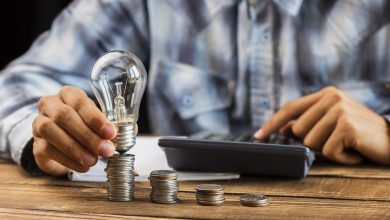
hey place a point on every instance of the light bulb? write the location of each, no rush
(118, 80)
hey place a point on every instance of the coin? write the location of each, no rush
(164, 186)
(120, 177)
(209, 187)
(254, 200)
(209, 194)
(161, 173)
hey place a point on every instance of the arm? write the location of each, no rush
(333, 123)
(64, 56)
(346, 125)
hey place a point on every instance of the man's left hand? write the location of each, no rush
(333, 123)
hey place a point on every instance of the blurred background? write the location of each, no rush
(22, 21)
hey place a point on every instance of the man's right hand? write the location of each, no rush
(70, 132)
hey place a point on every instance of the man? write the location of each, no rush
(223, 66)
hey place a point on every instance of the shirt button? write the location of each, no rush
(187, 100)
(266, 36)
(265, 103)
(231, 86)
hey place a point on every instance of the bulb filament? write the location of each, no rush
(120, 107)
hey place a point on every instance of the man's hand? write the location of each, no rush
(331, 122)
(70, 132)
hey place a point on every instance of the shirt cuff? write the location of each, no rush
(28, 162)
(20, 141)
(387, 118)
(20, 134)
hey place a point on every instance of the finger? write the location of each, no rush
(46, 164)
(334, 149)
(88, 111)
(308, 119)
(286, 130)
(69, 120)
(312, 115)
(317, 136)
(54, 135)
(287, 113)
(56, 162)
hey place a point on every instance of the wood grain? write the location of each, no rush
(313, 187)
(371, 171)
(13, 214)
(339, 195)
(93, 200)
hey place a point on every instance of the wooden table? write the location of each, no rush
(330, 192)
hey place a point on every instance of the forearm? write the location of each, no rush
(19, 91)
(64, 56)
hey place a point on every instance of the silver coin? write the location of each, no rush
(208, 203)
(164, 198)
(254, 200)
(209, 188)
(163, 174)
(158, 191)
(211, 201)
(173, 187)
(165, 201)
(171, 182)
(209, 194)
(209, 197)
(160, 181)
(164, 186)
(120, 177)
(167, 194)
(120, 169)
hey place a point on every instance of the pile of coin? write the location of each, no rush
(254, 200)
(209, 194)
(120, 177)
(164, 186)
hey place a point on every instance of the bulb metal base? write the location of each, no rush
(125, 138)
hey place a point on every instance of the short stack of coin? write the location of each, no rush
(164, 186)
(209, 194)
(120, 177)
(254, 200)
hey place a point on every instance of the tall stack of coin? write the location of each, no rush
(164, 186)
(209, 194)
(120, 177)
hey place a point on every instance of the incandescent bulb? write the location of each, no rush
(118, 81)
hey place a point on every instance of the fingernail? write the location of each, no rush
(258, 134)
(89, 160)
(108, 131)
(106, 149)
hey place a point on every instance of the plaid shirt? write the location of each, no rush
(219, 65)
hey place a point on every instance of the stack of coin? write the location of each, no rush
(254, 200)
(120, 177)
(164, 186)
(209, 194)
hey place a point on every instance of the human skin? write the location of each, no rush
(70, 132)
(329, 121)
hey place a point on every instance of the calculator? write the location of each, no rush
(214, 152)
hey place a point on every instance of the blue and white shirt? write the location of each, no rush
(217, 65)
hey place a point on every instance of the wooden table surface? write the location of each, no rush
(329, 192)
